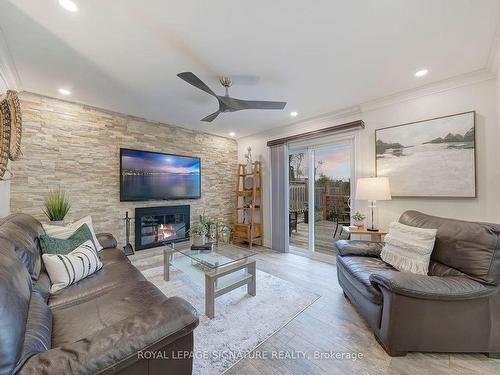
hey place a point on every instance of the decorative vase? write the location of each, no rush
(248, 182)
(249, 166)
(359, 223)
(198, 240)
(59, 223)
(225, 235)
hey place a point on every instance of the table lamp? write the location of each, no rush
(373, 189)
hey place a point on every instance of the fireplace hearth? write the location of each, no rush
(157, 226)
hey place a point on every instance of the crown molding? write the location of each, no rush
(349, 113)
(430, 89)
(9, 76)
(316, 122)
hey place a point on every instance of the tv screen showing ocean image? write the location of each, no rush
(155, 176)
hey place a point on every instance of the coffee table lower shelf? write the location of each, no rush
(212, 276)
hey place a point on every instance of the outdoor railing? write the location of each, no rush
(298, 194)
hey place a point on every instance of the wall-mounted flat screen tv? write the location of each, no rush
(148, 175)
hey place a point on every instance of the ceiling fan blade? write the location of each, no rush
(211, 117)
(240, 104)
(196, 82)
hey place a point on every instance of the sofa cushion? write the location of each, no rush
(23, 232)
(76, 322)
(107, 240)
(164, 328)
(470, 247)
(15, 294)
(53, 245)
(112, 255)
(358, 247)
(42, 285)
(447, 288)
(113, 274)
(65, 232)
(38, 334)
(408, 249)
(358, 270)
(67, 269)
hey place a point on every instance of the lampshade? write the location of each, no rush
(373, 189)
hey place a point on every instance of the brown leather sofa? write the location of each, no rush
(455, 308)
(111, 322)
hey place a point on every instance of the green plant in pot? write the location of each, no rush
(198, 231)
(56, 206)
(359, 219)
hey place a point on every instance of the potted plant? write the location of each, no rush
(359, 219)
(198, 231)
(56, 206)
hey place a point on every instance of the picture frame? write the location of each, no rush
(429, 158)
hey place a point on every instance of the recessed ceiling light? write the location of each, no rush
(68, 5)
(64, 92)
(232, 134)
(293, 114)
(421, 73)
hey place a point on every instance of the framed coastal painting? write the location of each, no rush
(430, 158)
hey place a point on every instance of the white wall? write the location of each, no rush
(4, 198)
(479, 94)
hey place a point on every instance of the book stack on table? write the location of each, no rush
(206, 247)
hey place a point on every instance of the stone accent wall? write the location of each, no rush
(77, 148)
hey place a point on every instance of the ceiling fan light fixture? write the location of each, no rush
(232, 134)
(64, 91)
(69, 5)
(422, 72)
(226, 102)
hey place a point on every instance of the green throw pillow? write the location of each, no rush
(51, 245)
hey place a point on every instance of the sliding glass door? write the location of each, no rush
(320, 186)
(298, 217)
(332, 193)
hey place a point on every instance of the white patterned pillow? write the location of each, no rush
(408, 249)
(65, 270)
(64, 232)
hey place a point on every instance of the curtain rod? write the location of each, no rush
(331, 129)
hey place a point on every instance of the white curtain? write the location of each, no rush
(279, 197)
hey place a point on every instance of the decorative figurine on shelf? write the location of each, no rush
(248, 180)
(224, 233)
(248, 156)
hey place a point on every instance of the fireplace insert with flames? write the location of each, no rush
(157, 226)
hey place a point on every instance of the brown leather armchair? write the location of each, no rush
(455, 308)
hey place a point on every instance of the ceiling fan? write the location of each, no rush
(226, 103)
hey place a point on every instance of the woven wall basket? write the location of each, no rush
(16, 125)
(5, 124)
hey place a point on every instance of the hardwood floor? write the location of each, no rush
(331, 324)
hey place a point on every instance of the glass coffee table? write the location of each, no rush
(222, 269)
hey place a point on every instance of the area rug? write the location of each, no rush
(241, 322)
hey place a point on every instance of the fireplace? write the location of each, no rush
(157, 226)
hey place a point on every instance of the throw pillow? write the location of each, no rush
(64, 232)
(53, 245)
(408, 249)
(65, 270)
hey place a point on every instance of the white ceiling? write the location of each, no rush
(319, 56)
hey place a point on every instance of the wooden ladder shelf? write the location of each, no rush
(248, 218)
